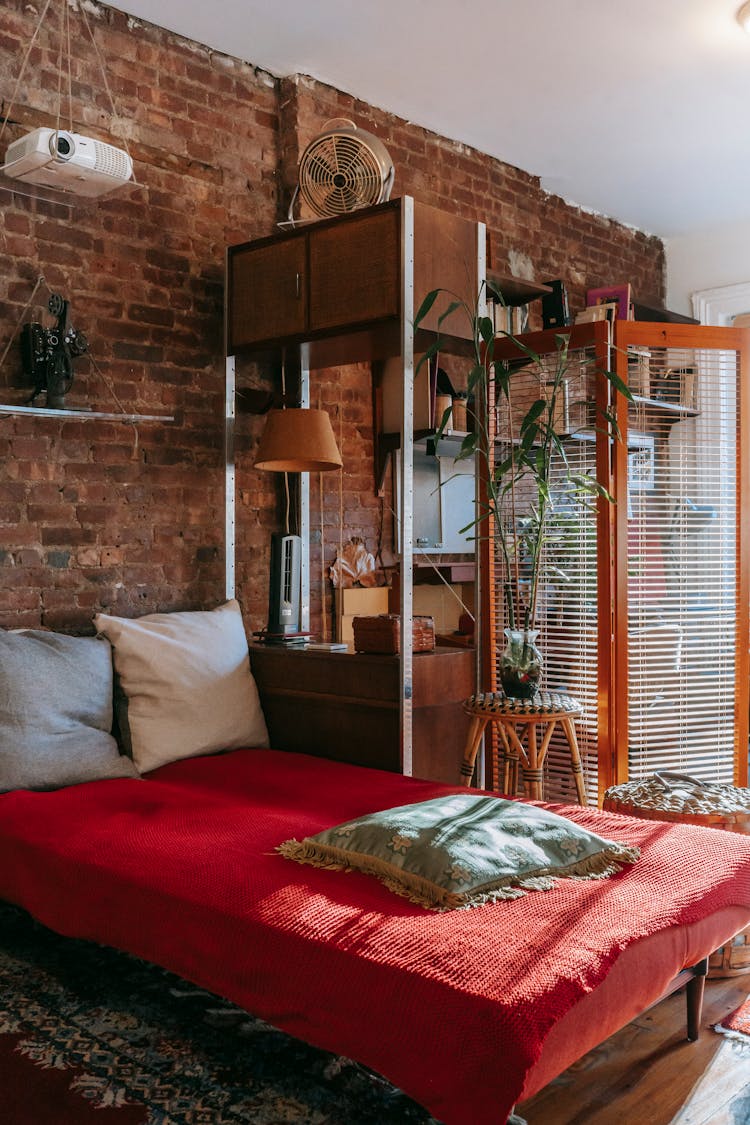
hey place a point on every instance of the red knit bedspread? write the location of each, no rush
(453, 1008)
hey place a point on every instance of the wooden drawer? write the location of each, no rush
(345, 706)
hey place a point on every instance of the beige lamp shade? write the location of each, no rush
(298, 441)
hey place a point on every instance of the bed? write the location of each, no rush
(467, 1011)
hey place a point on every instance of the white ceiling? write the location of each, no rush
(634, 108)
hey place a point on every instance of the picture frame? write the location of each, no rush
(620, 294)
(606, 310)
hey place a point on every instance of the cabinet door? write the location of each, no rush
(267, 292)
(355, 269)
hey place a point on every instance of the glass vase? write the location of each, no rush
(520, 664)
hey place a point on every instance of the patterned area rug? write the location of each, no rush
(736, 1026)
(89, 1034)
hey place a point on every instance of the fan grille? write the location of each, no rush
(339, 173)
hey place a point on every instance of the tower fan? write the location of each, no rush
(284, 593)
(341, 170)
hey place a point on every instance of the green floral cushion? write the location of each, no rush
(463, 850)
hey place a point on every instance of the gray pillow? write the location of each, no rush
(56, 712)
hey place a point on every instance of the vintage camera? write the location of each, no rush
(47, 354)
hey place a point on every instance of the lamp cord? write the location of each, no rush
(286, 475)
(321, 508)
(341, 482)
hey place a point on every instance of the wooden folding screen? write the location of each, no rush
(644, 612)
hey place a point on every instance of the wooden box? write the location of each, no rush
(383, 633)
(356, 601)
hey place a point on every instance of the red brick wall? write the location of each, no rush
(100, 514)
(104, 514)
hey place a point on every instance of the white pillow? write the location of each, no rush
(187, 684)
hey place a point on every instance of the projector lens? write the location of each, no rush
(61, 145)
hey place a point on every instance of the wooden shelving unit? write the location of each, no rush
(347, 290)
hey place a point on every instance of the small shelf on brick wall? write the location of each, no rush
(661, 406)
(515, 291)
(64, 412)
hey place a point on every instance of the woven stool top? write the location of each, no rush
(672, 792)
(543, 703)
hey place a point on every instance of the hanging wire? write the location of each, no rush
(65, 36)
(24, 64)
(110, 387)
(39, 281)
(70, 76)
(115, 115)
(59, 76)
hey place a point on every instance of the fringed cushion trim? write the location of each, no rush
(425, 893)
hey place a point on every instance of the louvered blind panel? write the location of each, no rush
(568, 623)
(567, 605)
(682, 550)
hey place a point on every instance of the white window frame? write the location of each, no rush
(720, 306)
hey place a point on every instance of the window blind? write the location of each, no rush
(682, 561)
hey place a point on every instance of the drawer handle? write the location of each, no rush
(298, 283)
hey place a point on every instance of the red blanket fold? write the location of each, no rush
(453, 1008)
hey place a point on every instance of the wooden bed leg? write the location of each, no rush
(694, 994)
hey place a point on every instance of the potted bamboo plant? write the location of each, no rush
(520, 438)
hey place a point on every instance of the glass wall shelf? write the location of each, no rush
(51, 412)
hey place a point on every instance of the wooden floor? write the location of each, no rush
(648, 1074)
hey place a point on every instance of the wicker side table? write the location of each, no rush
(677, 798)
(517, 721)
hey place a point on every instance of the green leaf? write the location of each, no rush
(614, 379)
(451, 309)
(426, 305)
(443, 422)
(529, 436)
(486, 329)
(533, 413)
(475, 377)
(613, 424)
(428, 354)
(468, 446)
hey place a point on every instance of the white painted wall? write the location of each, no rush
(708, 260)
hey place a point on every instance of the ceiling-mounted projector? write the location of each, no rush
(67, 161)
